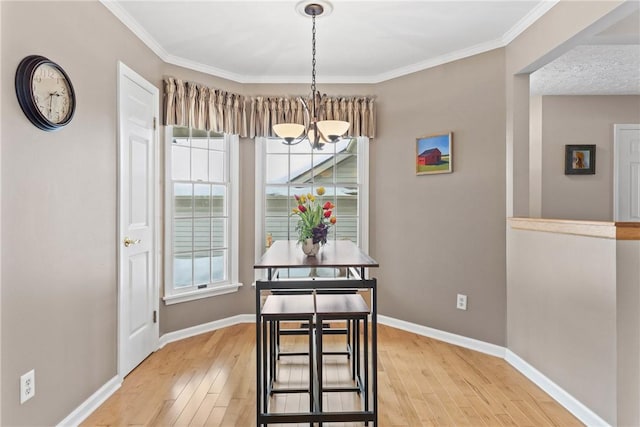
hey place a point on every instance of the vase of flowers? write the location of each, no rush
(314, 220)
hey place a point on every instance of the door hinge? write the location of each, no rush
(155, 316)
(155, 123)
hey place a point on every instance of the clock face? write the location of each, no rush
(51, 93)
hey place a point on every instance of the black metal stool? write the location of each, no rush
(278, 308)
(353, 308)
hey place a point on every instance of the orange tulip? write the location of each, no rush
(333, 220)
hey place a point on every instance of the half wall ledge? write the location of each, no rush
(602, 229)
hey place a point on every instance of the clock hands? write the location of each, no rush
(51, 95)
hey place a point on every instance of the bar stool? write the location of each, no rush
(351, 307)
(328, 330)
(278, 331)
(278, 308)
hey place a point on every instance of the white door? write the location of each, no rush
(626, 173)
(137, 270)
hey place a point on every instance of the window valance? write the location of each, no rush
(196, 106)
(201, 107)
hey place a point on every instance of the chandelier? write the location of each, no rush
(318, 132)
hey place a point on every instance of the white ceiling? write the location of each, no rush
(591, 70)
(358, 42)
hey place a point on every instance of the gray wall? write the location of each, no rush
(628, 333)
(562, 312)
(581, 120)
(439, 235)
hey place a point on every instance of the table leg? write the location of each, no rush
(366, 364)
(265, 388)
(319, 361)
(311, 358)
(258, 362)
(374, 348)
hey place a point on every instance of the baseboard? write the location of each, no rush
(459, 340)
(92, 403)
(570, 403)
(205, 327)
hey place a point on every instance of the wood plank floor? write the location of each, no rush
(209, 380)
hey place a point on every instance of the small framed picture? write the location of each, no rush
(579, 159)
(434, 154)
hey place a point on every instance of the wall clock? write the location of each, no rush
(45, 93)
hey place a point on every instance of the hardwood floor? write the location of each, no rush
(209, 380)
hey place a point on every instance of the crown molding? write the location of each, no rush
(440, 60)
(526, 21)
(133, 25)
(120, 13)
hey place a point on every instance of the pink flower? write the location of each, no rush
(328, 205)
(327, 214)
(301, 208)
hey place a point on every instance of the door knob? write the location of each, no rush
(128, 242)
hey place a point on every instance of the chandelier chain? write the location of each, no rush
(313, 56)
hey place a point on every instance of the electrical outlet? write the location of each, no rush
(27, 386)
(461, 303)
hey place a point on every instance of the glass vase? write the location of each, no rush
(309, 248)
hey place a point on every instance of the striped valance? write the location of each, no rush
(194, 105)
(200, 107)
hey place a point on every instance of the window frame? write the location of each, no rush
(231, 284)
(260, 199)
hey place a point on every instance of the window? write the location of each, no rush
(201, 214)
(284, 170)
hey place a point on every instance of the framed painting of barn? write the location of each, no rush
(434, 154)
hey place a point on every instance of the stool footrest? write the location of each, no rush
(293, 353)
(315, 417)
(288, 390)
(304, 331)
(341, 389)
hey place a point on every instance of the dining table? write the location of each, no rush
(350, 266)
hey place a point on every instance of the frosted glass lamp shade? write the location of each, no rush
(332, 129)
(288, 131)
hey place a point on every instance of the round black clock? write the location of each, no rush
(45, 93)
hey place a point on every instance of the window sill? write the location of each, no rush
(201, 293)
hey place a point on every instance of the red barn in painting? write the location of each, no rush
(431, 156)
